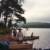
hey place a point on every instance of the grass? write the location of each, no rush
(4, 30)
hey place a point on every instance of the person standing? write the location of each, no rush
(19, 36)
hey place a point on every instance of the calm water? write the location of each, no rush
(44, 39)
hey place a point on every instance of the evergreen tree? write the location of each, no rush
(9, 7)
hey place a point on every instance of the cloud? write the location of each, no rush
(36, 9)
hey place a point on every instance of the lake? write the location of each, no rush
(44, 37)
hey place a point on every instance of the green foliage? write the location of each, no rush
(3, 28)
(9, 7)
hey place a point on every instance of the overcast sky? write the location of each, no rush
(37, 10)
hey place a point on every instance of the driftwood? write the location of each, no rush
(29, 38)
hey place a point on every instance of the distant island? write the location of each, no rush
(36, 25)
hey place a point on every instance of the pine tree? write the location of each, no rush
(9, 7)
